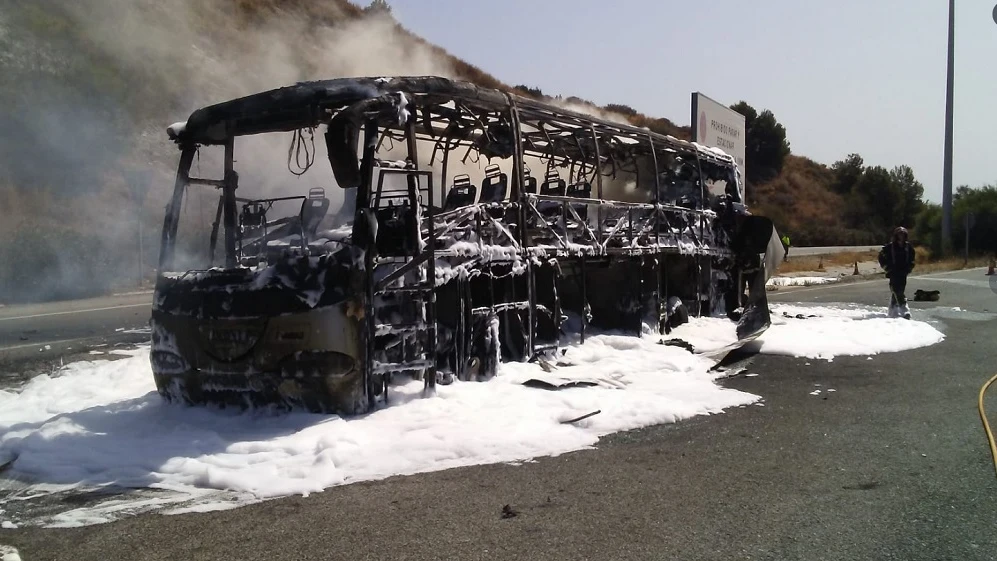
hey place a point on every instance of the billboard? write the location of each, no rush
(718, 126)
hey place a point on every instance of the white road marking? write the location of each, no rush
(41, 344)
(145, 304)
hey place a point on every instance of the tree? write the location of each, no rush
(928, 227)
(770, 146)
(911, 192)
(874, 200)
(748, 111)
(529, 91)
(847, 173)
(982, 203)
(621, 109)
(766, 146)
(379, 7)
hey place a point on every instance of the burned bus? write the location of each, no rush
(473, 227)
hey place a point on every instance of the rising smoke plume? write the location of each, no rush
(84, 158)
(85, 164)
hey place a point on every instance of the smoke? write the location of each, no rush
(93, 85)
(592, 111)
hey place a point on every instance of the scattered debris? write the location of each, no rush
(583, 417)
(926, 295)
(508, 512)
(558, 383)
(799, 316)
(676, 342)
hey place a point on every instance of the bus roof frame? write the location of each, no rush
(310, 104)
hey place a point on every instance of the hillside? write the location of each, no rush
(800, 201)
(84, 161)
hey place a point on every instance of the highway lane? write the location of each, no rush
(63, 327)
(34, 335)
(56, 330)
(893, 465)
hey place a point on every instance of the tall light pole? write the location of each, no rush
(947, 173)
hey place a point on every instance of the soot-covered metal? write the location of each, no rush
(426, 272)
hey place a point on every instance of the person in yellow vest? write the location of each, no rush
(785, 244)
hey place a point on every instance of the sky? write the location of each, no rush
(843, 76)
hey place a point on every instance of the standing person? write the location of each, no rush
(785, 245)
(897, 259)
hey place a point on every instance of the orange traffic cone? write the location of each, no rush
(856, 271)
(993, 262)
(820, 264)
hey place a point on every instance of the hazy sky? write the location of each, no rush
(865, 76)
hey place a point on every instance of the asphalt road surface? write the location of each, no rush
(34, 337)
(893, 465)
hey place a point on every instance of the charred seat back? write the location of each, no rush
(494, 186)
(461, 194)
(553, 185)
(313, 210)
(580, 190)
(529, 182)
(396, 230)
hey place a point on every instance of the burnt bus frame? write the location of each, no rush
(221, 124)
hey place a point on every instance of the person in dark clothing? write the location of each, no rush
(897, 259)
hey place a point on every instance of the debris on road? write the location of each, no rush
(926, 295)
(582, 418)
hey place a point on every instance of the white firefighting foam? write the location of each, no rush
(101, 424)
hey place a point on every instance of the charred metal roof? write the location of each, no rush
(309, 104)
